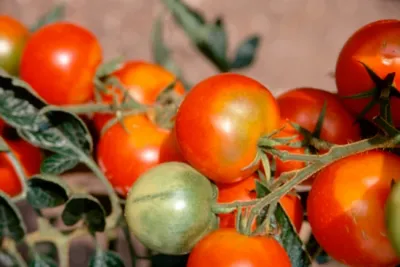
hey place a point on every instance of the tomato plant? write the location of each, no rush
(30, 158)
(246, 190)
(142, 145)
(375, 46)
(144, 81)
(62, 50)
(180, 199)
(221, 139)
(347, 200)
(13, 37)
(303, 106)
(226, 248)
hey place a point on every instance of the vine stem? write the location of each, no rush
(334, 154)
(104, 108)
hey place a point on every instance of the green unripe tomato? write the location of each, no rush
(13, 37)
(168, 208)
(392, 217)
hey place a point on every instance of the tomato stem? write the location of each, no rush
(104, 108)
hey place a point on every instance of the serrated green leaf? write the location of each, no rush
(7, 259)
(55, 14)
(42, 261)
(245, 53)
(58, 164)
(61, 132)
(109, 67)
(11, 223)
(46, 191)
(85, 207)
(105, 259)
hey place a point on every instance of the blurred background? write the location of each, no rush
(300, 38)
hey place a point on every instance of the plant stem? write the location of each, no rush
(130, 244)
(103, 108)
(285, 155)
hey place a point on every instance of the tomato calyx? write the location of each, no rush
(382, 92)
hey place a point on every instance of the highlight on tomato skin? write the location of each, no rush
(144, 81)
(62, 50)
(123, 156)
(346, 208)
(244, 191)
(30, 158)
(375, 45)
(303, 106)
(13, 37)
(227, 247)
(219, 123)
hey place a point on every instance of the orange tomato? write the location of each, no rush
(346, 209)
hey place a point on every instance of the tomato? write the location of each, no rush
(13, 37)
(144, 82)
(244, 191)
(303, 106)
(376, 45)
(219, 123)
(392, 217)
(228, 248)
(168, 209)
(60, 61)
(30, 158)
(123, 156)
(346, 208)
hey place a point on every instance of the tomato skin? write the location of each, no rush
(219, 123)
(30, 158)
(303, 106)
(377, 45)
(392, 217)
(13, 37)
(244, 190)
(144, 82)
(124, 157)
(168, 209)
(228, 248)
(347, 200)
(60, 61)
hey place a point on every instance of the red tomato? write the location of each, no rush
(13, 37)
(228, 248)
(220, 122)
(376, 45)
(60, 61)
(346, 209)
(244, 191)
(125, 156)
(30, 158)
(144, 82)
(303, 106)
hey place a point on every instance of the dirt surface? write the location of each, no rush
(300, 38)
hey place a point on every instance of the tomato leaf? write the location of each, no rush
(109, 67)
(58, 164)
(105, 259)
(46, 191)
(287, 236)
(85, 207)
(245, 53)
(8, 259)
(42, 261)
(55, 14)
(11, 223)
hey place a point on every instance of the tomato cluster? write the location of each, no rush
(225, 138)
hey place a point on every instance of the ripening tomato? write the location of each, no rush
(392, 217)
(219, 123)
(60, 62)
(376, 45)
(125, 156)
(228, 248)
(144, 82)
(169, 208)
(30, 158)
(246, 190)
(303, 106)
(13, 37)
(346, 208)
